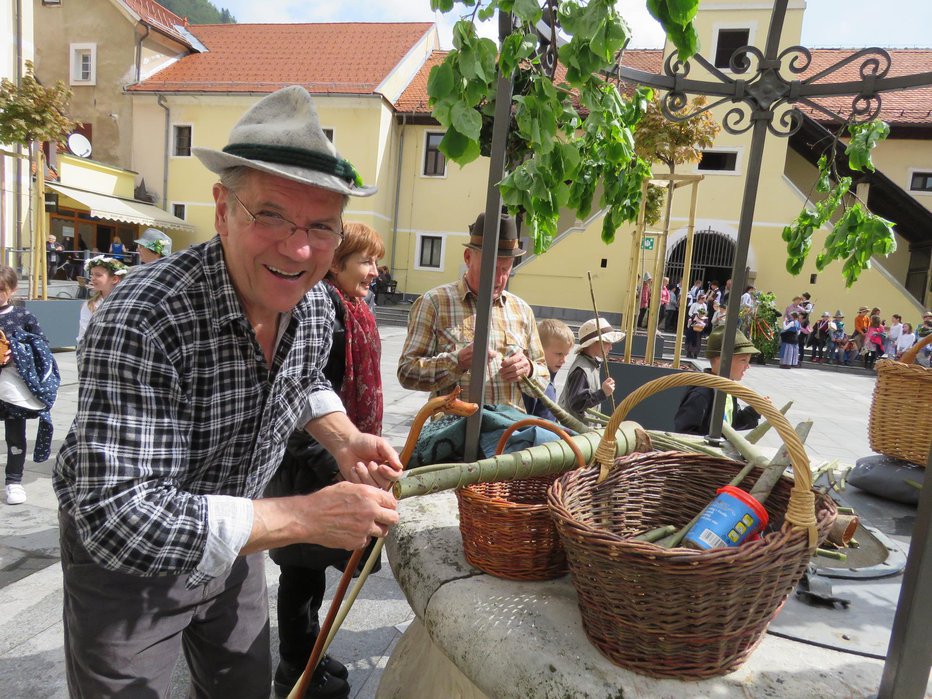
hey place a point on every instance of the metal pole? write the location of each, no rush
(909, 657)
(493, 210)
(761, 118)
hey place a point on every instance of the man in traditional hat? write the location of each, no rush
(153, 245)
(694, 415)
(192, 379)
(437, 354)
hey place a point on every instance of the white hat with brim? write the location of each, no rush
(156, 241)
(281, 135)
(595, 329)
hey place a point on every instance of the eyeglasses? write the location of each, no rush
(279, 229)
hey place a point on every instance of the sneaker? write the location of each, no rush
(15, 494)
(323, 685)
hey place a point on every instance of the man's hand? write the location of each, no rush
(514, 367)
(367, 459)
(464, 357)
(342, 516)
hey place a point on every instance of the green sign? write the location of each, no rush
(647, 242)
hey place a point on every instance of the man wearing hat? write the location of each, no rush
(438, 350)
(153, 245)
(694, 416)
(192, 380)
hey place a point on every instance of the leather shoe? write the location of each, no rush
(334, 667)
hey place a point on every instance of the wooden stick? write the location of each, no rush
(598, 329)
(754, 436)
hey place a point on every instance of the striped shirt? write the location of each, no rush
(180, 420)
(443, 321)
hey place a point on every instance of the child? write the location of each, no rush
(557, 340)
(695, 326)
(906, 339)
(19, 325)
(874, 340)
(584, 385)
(694, 415)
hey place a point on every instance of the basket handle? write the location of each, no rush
(547, 425)
(801, 507)
(909, 356)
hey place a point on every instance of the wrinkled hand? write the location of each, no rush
(368, 460)
(514, 367)
(345, 515)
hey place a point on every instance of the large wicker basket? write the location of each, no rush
(900, 423)
(506, 527)
(677, 612)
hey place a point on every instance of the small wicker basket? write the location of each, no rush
(677, 612)
(506, 527)
(900, 423)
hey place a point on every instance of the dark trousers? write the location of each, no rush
(15, 429)
(300, 594)
(123, 633)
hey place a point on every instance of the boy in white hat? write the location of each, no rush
(585, 387)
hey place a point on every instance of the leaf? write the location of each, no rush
(682, 11)
(459, 148)
(528, 10)
(440, 81)
(466, 120)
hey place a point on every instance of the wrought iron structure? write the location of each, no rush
(766, 91)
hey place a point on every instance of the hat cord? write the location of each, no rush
(289, 155)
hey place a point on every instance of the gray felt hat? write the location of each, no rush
(281, 135)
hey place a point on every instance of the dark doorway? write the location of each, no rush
(713, 259)
(104, 237)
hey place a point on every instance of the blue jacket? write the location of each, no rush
(36, 364)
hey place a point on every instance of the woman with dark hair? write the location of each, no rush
(353, 371)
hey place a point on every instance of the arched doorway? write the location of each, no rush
(713, 258)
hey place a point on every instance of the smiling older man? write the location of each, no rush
(192, 378)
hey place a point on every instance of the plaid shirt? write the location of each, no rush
(443, 321)
(180, 421)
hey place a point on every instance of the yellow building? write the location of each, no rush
(373, 100)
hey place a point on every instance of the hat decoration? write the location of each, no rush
(155, 240)
(281, 135)
(115, 267)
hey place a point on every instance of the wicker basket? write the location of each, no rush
(677, 612)
(900, 423)
(506, 526)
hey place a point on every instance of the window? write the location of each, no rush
(431, 251)
(435, 164)
(729, 40)
(178, 210)
(83, 64)
(182, 141)
(920, 182)
(718, 161)
(51, 2)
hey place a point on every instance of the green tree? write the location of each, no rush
(200, 11)
(570, 136)
(31, 112)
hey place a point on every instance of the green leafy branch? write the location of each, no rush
(567, 137)
(33, 112)
(857, 234)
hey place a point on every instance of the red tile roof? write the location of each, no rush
(348, 58)
(904, 108)
(161, 18)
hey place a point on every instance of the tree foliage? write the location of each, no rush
(200, 11)
(857, 234)
(33, 112)
(672, 143)
(568, 136)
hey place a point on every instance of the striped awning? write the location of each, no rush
(127, 210)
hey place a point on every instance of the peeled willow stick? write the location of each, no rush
(598, 329)
(544, 459)
(562, 416)
(754, 436)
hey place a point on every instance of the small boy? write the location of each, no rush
(584, 385)
(557, 340)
